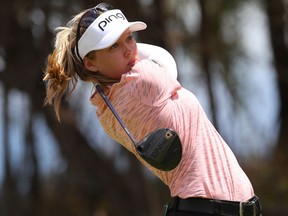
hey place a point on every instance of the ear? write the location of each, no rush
(89, 65)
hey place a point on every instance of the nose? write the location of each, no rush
(128, 50)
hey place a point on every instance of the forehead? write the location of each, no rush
(126, 33)
(122, 37)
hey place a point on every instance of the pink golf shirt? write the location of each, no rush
(148, 98)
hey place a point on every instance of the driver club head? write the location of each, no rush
(162, 149)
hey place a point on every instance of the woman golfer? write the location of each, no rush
(140, 80)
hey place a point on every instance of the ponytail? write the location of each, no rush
(64, 69)
(60, 73)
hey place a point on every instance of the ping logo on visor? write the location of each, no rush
(105, 30)
(102, 24)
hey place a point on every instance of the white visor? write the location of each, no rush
(105, 31)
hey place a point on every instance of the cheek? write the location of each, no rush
(136, 51)
(112, 68)
(135, 48)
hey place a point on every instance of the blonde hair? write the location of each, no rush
(64, 69)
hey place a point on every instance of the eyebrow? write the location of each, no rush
(128, 32)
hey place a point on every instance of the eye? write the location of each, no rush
(114, 46)
(130, 37)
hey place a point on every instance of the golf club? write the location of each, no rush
(161, 149)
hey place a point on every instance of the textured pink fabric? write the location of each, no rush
(147, 98)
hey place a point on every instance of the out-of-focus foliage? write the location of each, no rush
(73, 168)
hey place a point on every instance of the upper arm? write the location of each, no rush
(147, 51)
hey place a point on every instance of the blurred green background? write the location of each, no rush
(232, 54)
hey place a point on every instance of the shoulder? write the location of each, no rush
(150, 51)
(159, 54)
(149, 82)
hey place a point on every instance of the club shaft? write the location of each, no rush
(101, 92)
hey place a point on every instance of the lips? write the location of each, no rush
(131, 63)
